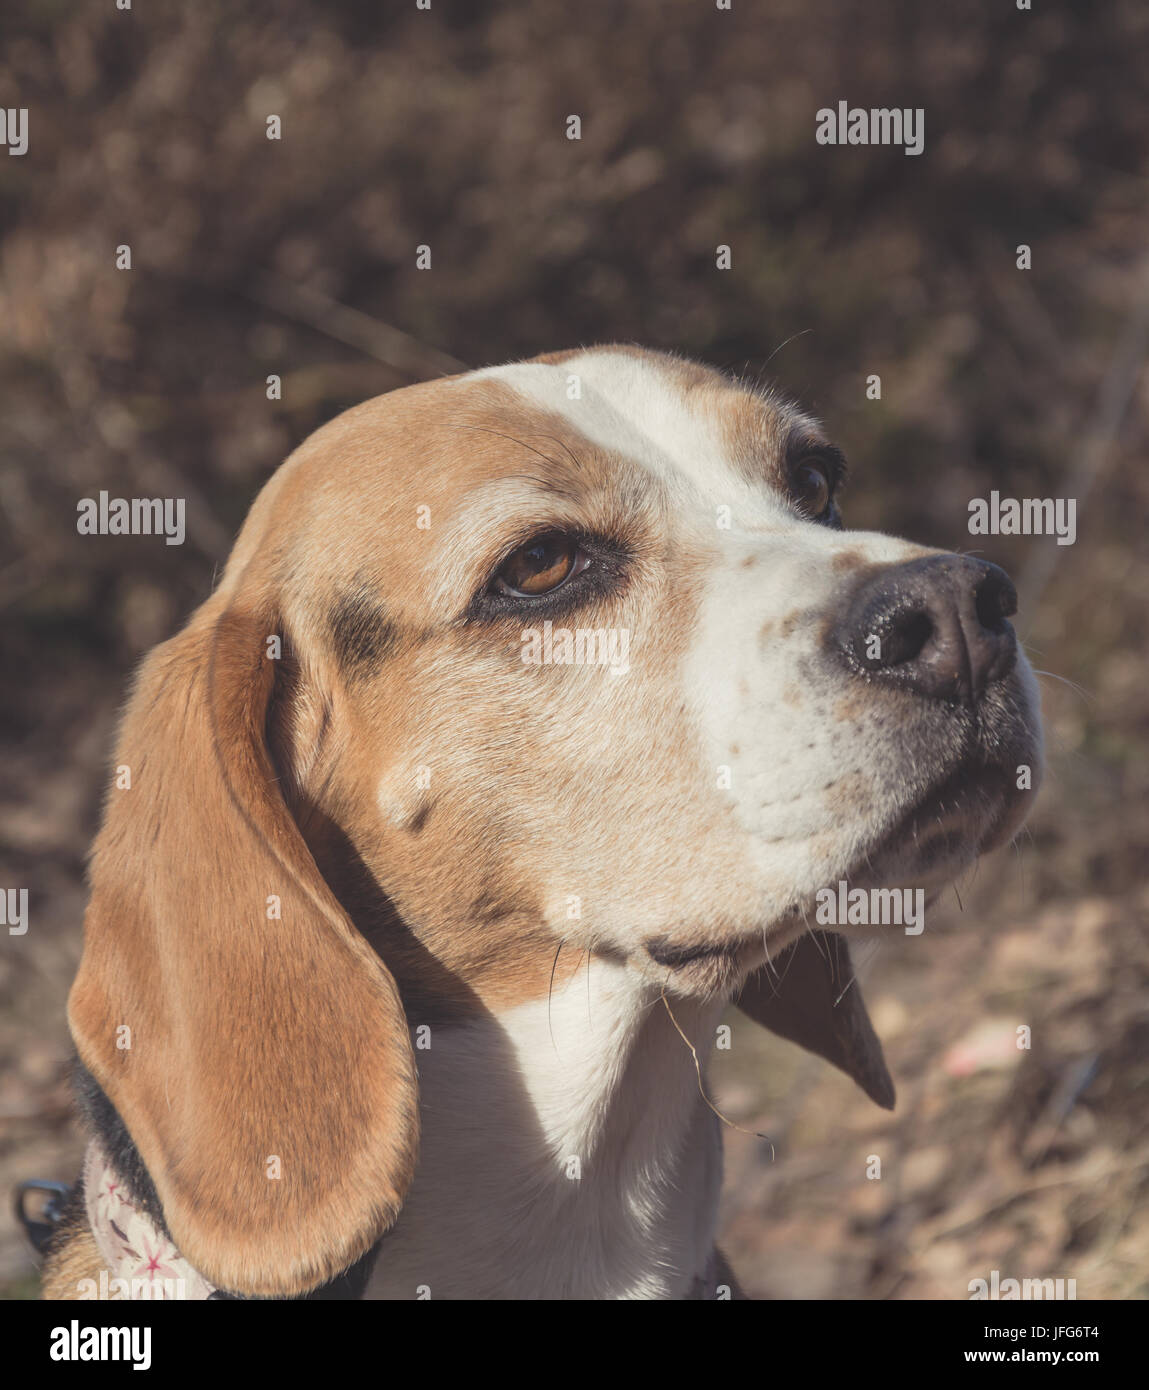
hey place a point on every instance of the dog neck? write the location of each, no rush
(566, 1150)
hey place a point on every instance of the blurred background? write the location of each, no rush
(448, 128)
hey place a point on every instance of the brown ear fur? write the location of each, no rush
(810, 996)
(250, 1037)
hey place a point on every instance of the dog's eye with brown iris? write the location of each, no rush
(541, 566)
(813, 488)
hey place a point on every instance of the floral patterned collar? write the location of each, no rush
(141, 1260)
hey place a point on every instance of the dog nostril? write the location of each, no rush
(905, 639)
(995, 600)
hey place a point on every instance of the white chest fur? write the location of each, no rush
(566, 1152)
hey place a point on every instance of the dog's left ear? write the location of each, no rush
(811, 996)
(251, 1042)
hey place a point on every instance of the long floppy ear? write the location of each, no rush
(811, 996)
(252, 1043)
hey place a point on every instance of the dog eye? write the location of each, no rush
(813, 488)
(540, 566)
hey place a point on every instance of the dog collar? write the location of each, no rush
(144, 1263)
(140, 1259)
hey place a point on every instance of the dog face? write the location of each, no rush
(556, 663)
(586, 664)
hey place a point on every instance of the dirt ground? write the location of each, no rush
(252, 258)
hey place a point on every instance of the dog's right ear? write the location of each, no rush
(252, 1043)
(811, 996)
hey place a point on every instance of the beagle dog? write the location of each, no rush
(534, 710)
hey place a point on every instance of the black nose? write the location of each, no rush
(936, 626)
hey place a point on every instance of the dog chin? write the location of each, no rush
(966, 814)
(927, 846)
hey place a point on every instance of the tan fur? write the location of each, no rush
(72, 1257)
(75, 1260)
(311, 1068)
(466, 860)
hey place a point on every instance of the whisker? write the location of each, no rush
(550, 993)
(563, 445)
(1077, 689)
(702, 1089)
(801, 334)
(482, 429)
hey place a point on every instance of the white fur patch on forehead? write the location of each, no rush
(634, 406)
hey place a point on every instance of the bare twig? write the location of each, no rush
(354, 328)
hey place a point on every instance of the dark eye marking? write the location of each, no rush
(361, 632)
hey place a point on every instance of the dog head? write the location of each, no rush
(565, 657)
